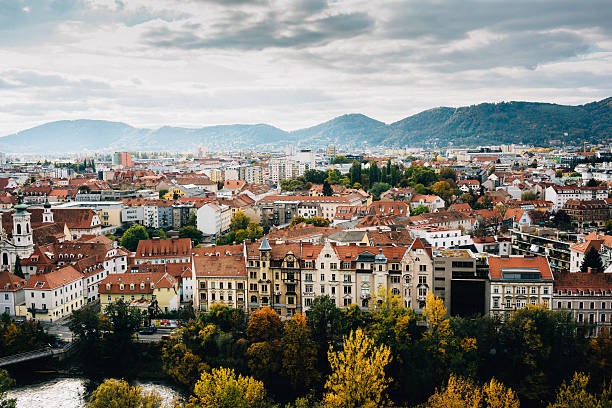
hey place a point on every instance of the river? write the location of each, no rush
(71, 392)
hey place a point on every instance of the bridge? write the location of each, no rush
(33, 355)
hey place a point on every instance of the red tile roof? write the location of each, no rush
(164, 248)
(54, 279)
(497, 265)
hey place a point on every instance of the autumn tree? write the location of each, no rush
(528, 196)
(443, 189)
(447, 173)
(358, 376)
(463, 393)
(264, 325)
(264, 354)
(299, 354)
(223, 388)
(181, 364)
(118, 393)
(239, 221)
(6, 382)
(575, 395)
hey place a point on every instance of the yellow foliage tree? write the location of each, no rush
(222, 388)
(438, 326)
(463, 393)
(575, 395)
(118, 393)
(358, 377)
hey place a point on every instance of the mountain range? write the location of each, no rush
(534, 123)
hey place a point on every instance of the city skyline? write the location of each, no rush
(197, 63)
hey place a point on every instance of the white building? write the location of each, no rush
(11, 292)
(53, 295)
(559, 195)
(439, 237)
(213, 218)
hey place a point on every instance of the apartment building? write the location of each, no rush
(559, 195)
(145, 291)
(517, 281)
(160, 251)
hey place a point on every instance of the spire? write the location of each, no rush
(20, 207)
(265, 245)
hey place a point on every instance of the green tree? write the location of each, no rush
(528, 196)
(192, 233)
(124, 321)
(118, 393)
(592, 260)
(355, 172)
(222, 388)
(325, 320)
(87, 327)
(447, 173)
(358, 376)
(420, 210)
(378, 188)
(327, 190)
(239, 221)
(162, 192)
(315, 176)
(559, 173)
(130, 238)
(193, 219)
(340, 159)
(241, 235)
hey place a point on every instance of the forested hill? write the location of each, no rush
(541, 124)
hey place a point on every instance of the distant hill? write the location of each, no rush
(483, 124)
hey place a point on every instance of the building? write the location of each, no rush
(588, 296)
(587, 213)
(219, 277)
(123, 159)
(160, 251)
(559, 195)
(548, 242)
(146, 291)
(517, 281)
(53, 295)
(328, 205)
(433, 202)
(213, 218)
(462, 281)
(12, 292)
(439, 237)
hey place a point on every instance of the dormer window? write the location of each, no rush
(131, 286)
(108, 286)
(121, 286)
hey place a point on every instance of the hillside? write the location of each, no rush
(482, 124)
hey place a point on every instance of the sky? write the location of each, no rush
(292, 63)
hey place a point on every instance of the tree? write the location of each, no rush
(355, 172)
(460, 392)
(443, 189)
(420, 210)
(592, 260)
(358, 374)
(87, 327)
(297, 220)
(162, 193)
(18, 270)
(222, 388)
(124, 321)
(239, 221)
(118, 393)
(6, 382)
(467, 198)
(315, 176)
(575, 395)
(333, 176)
(558, 173)
(438, 326)
(327, 190)
(592, 183)
(264, 325)
(491, 170)
(254, 230)
(378, 188)
(299, 354)
(528, 196)
(193, 219)
(241, 235)
(130, 238)
(181, 364)
(340, 159)
(192, 233)
(447, 173)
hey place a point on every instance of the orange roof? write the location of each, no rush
(54, 279)
(222, 266)
(500, 265)
(163, 248)
(9, 282)
(159, 280)
(584, 247)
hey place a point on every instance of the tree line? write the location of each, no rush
(387, 356)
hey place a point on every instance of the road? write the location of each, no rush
(62, 331)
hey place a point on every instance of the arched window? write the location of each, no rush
(5, 260)
(18, 229)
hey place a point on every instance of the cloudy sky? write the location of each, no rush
(292, 63)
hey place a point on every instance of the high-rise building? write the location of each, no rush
(123, 159)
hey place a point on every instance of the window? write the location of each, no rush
(109, 298)
(308, 277)
(333, 290)
(395, 279)
(422, 279)
(322, 289)
(423, 268)
(347, 278)
(347, 302)
(346, 265)
(308, 288)
(333, 265)
(495, 303)
(508, 304)
(347, 290)
(333, 277)
(253, 275)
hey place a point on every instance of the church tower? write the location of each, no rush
(22, 230)
(47, 213)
